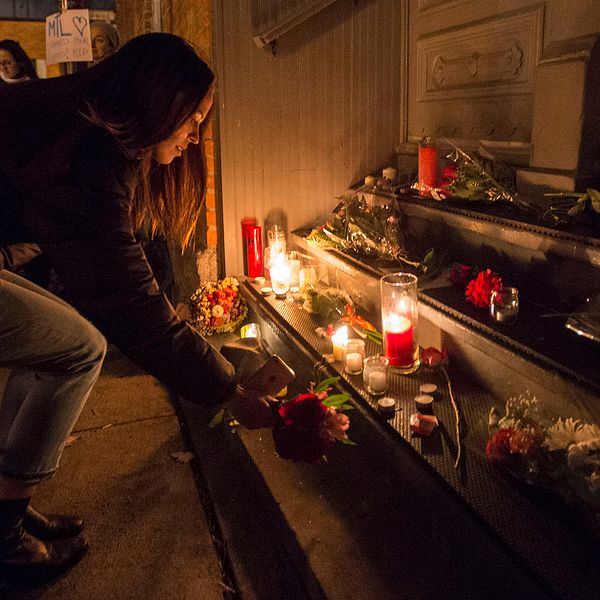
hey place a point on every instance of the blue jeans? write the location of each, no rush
(55, 357)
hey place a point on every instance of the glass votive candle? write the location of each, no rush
(338, 340)
(280, 276)
(354, 356)
(375, 374)
(294, 264)
(504, 305)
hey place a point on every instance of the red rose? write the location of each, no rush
(460, 275)
(432, 357)
(306, 409)
(299, 434)
(449, 176)
(480, 289)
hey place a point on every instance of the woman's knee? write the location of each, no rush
(91, 345)
(97, 344)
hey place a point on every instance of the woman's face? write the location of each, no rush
(188, 133)
(101, 46)
(8, 65)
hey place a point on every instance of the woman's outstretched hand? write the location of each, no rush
(251, 409)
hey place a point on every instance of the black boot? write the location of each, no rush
(24, 559)
(51, 527)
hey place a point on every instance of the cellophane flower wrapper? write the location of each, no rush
(217, 307)
(370, 229)
(373, 229)
(474, 178)
(561, 453)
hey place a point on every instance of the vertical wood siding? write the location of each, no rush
(298, 127)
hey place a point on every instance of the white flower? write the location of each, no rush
(562, 434)
(590, 434)
(521, 411)
(217, 310)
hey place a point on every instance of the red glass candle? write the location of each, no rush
(428, 167)
(255, 254)
(399, 341)
(399, 317)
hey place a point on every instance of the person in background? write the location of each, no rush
(15, 65)
(105, 40)
(84, 160)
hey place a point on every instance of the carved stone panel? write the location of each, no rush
(487, 59)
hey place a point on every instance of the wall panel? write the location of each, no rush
(299, 126)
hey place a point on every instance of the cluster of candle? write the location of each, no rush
(351, 352)
(284, 270)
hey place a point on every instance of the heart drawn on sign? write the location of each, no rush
(80, 24)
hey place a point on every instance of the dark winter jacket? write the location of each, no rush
(69, 190)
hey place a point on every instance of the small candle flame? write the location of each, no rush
(340, 336)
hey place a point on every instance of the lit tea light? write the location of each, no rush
(339, 339)
(377, 382)
(375, 374)
(354, 362)
(355, 353)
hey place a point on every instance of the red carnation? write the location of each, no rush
(479, 290)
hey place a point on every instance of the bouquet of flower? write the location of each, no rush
(475, 178)
(309, 424)
(217, 307)
(557, 453)
(370, 229)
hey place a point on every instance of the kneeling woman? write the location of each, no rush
(84, 160)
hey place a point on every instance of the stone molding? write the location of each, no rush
(486, 59)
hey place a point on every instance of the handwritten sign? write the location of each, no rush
(68, 37)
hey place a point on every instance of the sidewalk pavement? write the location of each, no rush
(149, 538)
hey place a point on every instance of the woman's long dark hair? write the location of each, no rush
(141, 95)
(23, 61)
